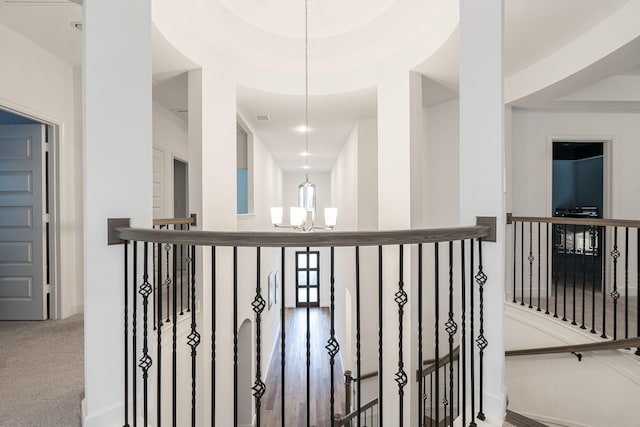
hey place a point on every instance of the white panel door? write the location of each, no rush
(22, 222)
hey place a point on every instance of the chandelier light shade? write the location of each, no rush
(307, 196)
(302, 217)
(276, 215)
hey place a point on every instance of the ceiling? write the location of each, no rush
(534, 29)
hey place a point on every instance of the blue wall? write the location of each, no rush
(243, 191)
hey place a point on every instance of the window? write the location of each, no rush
(307, 278)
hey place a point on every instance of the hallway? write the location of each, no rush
(295, 374)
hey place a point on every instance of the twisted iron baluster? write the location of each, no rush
(258, 305)
(401, 300)
(145, 361)
(481, 279)
(333, 347)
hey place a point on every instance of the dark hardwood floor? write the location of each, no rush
(296, 374)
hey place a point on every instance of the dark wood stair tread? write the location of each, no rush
(519, 420)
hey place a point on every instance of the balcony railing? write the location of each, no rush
(439, 307)
(583, 271)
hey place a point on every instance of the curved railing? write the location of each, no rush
(448, 263)
(581, 270)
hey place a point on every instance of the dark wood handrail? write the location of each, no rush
(574, 348)
(351, 415)
(297, 239)
(192, 220)
(444, 360)
(595, 222)
(366, 376)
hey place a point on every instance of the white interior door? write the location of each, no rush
(22, 222)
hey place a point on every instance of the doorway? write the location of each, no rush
(180, 188)
(578, 192)
(307, 278)
(27, 220)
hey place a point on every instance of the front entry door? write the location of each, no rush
(22, 222)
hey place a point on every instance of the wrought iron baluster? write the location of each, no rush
(358, 356)
(167, 247)
(445, 401)
(436, 311)
(134, 333)
(380, 323)
(481, 278)
(539, 268)
(235, 336)
(593, 233)
(401, 300)
(154, 281)
(555, 270)
(549, 247)
(282, 339)
(182, 278)
(126, 335)
(472, 365)
(515, 257)
(451, 328)
(564, 268)
(573, 264)
(638, 286)
(615, 254)
(174, 346)
(626, 282)
(333, 347)
(522, 264)
(431, 400)
(604, 283)
(530, 259)
(420, 380)
(584, 272)
(213, 336)
(463, 339)
(145, 361)
(258, 306)
(308, 336)
(193, 339)
(159, 338)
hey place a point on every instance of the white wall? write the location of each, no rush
(34, 82)
(557, 389)
(532, 134)
(267, 185)
(441, 204)
(170, 136)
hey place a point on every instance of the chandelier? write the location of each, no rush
(302, 217)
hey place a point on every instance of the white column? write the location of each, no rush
(117, 183)
(482, 170)
(399, 207)
(212, 182)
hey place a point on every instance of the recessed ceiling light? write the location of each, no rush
(305, 153)
(306, 167)
(302, 129)
(76, 25)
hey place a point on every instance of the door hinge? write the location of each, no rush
(47, 288)
(46, 218)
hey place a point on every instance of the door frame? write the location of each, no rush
(608, 210)
(55, 132)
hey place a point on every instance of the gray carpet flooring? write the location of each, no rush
(41, 373)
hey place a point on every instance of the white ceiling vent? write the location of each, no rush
(263, 117)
